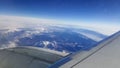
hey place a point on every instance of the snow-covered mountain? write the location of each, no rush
(58, 38)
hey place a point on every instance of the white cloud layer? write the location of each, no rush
(107, 29)
(13, 22)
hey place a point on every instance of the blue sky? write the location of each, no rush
(88, 11)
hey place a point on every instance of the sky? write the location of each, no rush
(68, 10)
(89, 12)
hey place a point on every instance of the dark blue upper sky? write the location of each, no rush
(69, 10)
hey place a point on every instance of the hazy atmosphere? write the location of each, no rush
(62, 25)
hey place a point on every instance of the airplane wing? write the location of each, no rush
(105, 55)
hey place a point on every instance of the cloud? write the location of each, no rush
(14, 22)
(107, 29)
